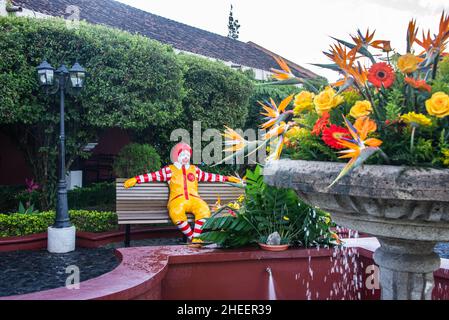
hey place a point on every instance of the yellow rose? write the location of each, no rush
(408, 63)
(361, 109)
(303, 101)
(416, 119)
(438, 105)
(327, 100)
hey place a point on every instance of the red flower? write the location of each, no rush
(31, 185)
(418, 84)
(321, 124)
(381, 74)
(332, 135)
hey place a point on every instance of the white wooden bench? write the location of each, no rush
(147, 203)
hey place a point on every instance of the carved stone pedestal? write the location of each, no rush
(406, 269)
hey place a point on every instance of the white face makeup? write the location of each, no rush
(184, 158)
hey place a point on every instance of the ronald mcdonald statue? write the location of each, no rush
(182, 179)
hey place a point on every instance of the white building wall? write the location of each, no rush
(23, 13)
(259, 73)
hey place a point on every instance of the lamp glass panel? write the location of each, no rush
(50, 77)
(77, 79)
(42, 77)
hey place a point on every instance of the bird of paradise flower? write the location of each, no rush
(360, 147)
(277, 125)
(277, 122)
(239, 146)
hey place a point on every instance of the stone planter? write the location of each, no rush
(407, 209)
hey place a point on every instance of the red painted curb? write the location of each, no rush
(31, 242)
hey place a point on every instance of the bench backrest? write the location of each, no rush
(147, 203)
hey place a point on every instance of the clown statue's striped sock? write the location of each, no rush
(185, 229)
(198, 228)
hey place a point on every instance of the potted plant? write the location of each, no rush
(388, 117)
(273, 218)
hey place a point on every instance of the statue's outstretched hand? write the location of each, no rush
(234, 179)
(130, 183)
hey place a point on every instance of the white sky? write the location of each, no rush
(299, 30)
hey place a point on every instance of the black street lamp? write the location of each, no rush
(66, 81)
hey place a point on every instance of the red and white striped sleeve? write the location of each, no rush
(163, 175)
(209, 177)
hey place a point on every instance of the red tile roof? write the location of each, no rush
(180, 36)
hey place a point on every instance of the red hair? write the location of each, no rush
(177, 149)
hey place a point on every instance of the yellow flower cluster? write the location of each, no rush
(326, 100)
(234, 205)
(297, 132)
(446, 157)
(416, 119)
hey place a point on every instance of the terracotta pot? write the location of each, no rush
(406, 208)
(274, 248)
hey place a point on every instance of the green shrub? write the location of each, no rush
(216, 95)
(135, 159)
(266, 210)
(133, 81)
(27, 224)
(94, 221)
(97, 197)
(8, 200)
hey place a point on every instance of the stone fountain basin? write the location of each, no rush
(386, 201)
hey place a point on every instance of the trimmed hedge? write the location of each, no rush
(132, 81)
(135, 159)
(216, 95)
(96, 197)
(27, 224)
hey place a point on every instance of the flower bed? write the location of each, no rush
(26, 224)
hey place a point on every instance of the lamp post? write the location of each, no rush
(61, 236)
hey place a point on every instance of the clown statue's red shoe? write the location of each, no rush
(182, 179)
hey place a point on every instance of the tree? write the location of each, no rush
(133, 82)
(233, 26)
(215, 95)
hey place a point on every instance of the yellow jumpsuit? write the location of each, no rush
(184, 197)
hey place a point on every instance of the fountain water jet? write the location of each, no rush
(271, 288)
